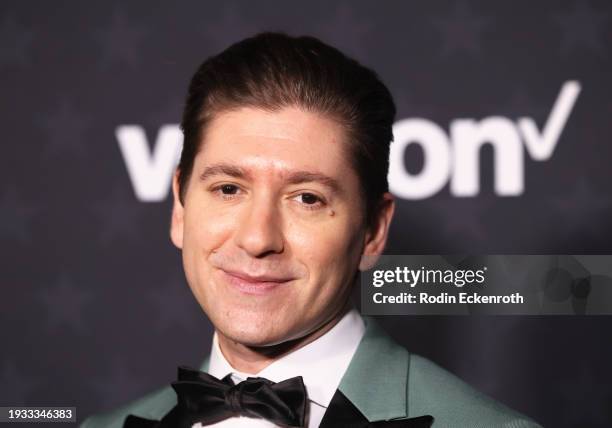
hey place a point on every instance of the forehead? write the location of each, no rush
(287, 139)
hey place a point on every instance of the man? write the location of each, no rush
(280, 198)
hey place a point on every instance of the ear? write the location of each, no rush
(176, 224)
(376, 234)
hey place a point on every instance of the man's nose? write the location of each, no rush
(259, 230)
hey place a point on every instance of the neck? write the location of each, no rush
(253, 359)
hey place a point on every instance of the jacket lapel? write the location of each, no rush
(342, 413)
(376, 381)
(205, 364)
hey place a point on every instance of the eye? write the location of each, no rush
(310, 200)
(226, 191)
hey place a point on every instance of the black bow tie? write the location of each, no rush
(206, 399)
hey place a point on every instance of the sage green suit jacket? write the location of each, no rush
(384, 381)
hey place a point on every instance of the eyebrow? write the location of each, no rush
(224, 169)
(293, 177)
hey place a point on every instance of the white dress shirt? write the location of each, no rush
(321, 363)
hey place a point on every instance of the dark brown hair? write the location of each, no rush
(274, 70)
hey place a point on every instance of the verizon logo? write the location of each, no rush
(448, 157)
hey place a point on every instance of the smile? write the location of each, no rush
(254, 285)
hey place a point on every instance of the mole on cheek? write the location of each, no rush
(332, 213)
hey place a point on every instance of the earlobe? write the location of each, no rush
(177, 221)
(368, 261)
(376, 237)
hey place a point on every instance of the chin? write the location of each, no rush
(256, 330)
(254, 337)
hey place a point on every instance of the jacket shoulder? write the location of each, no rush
(152, 406)
(453, 403)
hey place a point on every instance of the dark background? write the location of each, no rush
(94, 308)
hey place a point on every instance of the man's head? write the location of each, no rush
(281, 189)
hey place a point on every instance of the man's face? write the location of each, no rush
(271, 228)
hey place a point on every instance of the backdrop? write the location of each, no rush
(503, 146)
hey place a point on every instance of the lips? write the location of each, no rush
(256, 285)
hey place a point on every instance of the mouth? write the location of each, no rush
(255, 285)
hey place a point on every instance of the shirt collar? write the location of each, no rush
(321, 363)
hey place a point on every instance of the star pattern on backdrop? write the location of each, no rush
(15, 385)
(117, 384)
(582, 27)
(581, 378)
(16, 216)
(408, 106)
(118, 215)
(65, 305)
(461, 30)
(462, 218)
(580, 207)
(66, 129)
(15, 43)
(168, 112)
(120, 40)
(229, 26)
(522, 104)
(347, 30)
(174, 306)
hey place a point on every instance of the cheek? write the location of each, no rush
(204, 232)
(205, 227)
(331, 253)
